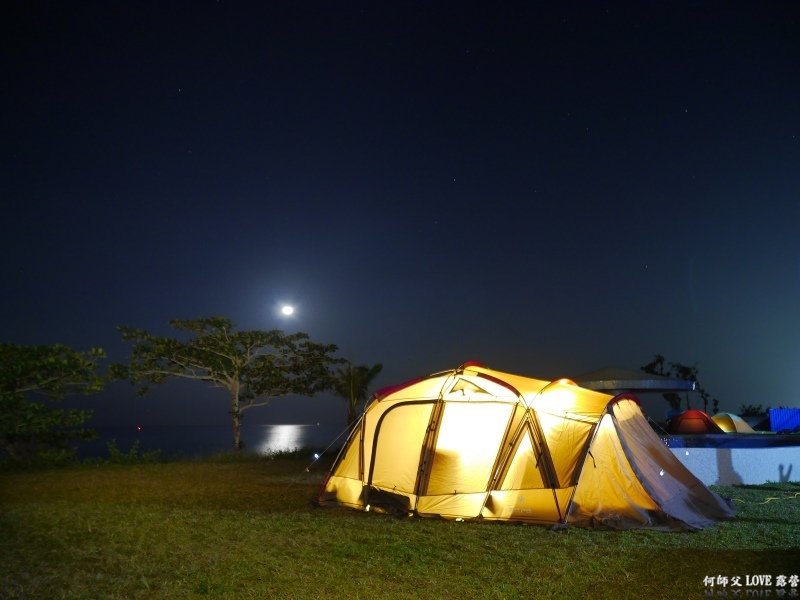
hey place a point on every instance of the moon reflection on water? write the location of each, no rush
(277, 438)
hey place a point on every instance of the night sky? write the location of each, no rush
(547, 188)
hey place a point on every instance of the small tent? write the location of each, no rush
(478, 444)
(730, 423)
(693, 421)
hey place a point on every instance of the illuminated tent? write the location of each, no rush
(730, 423)
(478, 444)
(693, 421)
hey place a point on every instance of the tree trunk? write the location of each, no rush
(10, 449)
(351, 415)
(237, 427)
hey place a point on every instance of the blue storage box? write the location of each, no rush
(784, 418)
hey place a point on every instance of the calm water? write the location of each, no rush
(204, 441)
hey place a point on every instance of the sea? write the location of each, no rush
(206, 440)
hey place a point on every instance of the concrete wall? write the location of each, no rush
(750, 466)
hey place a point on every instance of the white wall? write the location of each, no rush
(750, 466)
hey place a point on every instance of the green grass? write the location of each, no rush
(228, 528)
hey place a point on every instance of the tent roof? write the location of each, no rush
(693, 421)
(616, 379)
(731, 423)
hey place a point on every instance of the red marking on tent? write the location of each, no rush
(316, 501)
(383, 392)
(472, 363)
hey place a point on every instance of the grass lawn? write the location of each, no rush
(245, 529)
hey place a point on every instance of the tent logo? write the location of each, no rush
(522, 509)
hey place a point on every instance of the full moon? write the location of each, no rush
(287, 310)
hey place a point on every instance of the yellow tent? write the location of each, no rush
(478, 444)
(730, 423)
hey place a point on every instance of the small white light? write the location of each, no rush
(687, 453)
(662, 472)
(366, 508)
(287, 310)
(317, 455)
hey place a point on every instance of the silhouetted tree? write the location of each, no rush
(751, 410)
(28, 425)
(658, 366)
(352, 383)
(253, 366)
